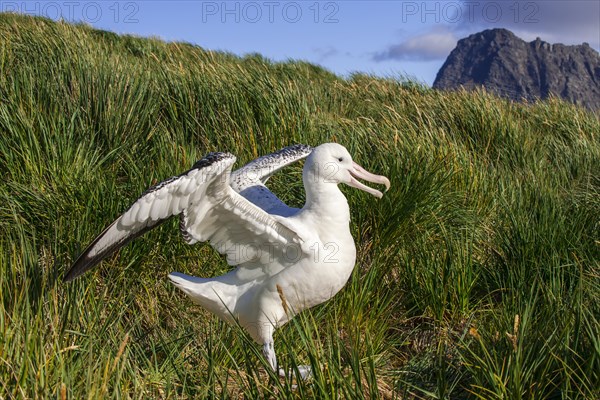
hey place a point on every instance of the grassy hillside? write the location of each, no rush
(478, 273)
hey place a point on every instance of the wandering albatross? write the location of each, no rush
(287, 259)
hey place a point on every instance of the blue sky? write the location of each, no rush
(387, 38)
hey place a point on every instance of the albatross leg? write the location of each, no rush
(269, 353)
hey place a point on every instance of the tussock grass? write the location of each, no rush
(478, 274)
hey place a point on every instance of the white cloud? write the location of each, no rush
(324, 53)
(433, 45)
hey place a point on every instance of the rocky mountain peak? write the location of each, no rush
(505, 64)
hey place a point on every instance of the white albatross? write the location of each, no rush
(287, 259)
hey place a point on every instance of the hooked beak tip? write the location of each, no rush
(387, 183)
(360, 172)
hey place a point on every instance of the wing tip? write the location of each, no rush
(70, 276)
(78, 268)
(85, 262)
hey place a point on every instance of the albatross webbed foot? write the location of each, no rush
(304, 370)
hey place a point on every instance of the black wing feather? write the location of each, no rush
(84, 262)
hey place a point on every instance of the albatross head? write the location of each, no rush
(331, 163)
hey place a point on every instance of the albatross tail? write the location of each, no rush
(217, 297)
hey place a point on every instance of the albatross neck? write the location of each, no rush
(325, 199)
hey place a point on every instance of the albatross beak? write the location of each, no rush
(359, 172)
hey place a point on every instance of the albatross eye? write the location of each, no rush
(341, 159)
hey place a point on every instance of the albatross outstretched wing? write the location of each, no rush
(211, 211)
